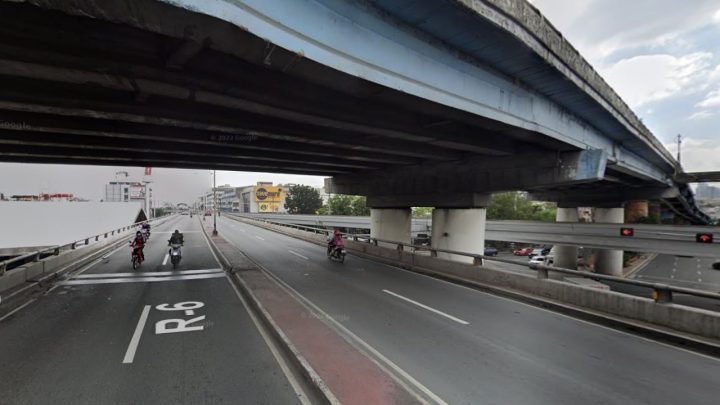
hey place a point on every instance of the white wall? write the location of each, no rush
(36, 223)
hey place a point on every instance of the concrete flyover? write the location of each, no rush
(414, 103)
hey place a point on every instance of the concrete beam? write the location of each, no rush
(698, 177)
(479, 175)
(459, 200)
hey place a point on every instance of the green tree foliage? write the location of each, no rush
(303, 200)
(422, 212)
(516, 205)
(341, 204)
(359, 206)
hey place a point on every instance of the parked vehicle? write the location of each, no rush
(490, 251)
(523, 252)
(537, 260)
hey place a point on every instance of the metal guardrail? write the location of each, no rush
(663, 239)
(55, 250)
(662, 293)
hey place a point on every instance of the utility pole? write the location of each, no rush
(679, 142)
(214, 207)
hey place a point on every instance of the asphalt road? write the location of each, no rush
(691, 272)
(664, 268)
(467, 346)
(83, 343)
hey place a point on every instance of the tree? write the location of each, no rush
(359, 206)
(303, 200)
(422, 212)
(342, 204)
(516, 205)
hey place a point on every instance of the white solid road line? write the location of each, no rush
(259, 237)
(298, 254)
(143, 279)
(132, 347)
(302, 396)
(427, 307)
(148, 273)
(165, 259)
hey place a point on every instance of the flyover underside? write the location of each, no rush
(145, 83)
(78, 90)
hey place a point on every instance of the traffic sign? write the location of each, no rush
(704, 238)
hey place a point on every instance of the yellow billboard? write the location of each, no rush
(268, 194)
(268, 207)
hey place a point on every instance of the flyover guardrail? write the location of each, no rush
(37, 255)
(665, 239)
(660, 292)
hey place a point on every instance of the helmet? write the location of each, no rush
(138, 233)
(337, 232)
(176, 231)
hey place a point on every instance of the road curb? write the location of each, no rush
(311, 377)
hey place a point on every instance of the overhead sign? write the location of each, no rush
(627, 232)
(704, 238)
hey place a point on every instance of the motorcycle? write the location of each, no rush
(135, 257)
(175, 254)
(145, 234)
(337, 254)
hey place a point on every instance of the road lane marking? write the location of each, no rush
(9, 314)
(143, 279)
(148, 273)
(298, 254)
(132, 347)
(458, 320)
(259, 237)
(166, 259)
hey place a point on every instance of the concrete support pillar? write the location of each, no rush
(393, 224)
(460, 229)
(566, 256)
(609, 261)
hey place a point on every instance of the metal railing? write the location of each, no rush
(662, 293)
(37, 255)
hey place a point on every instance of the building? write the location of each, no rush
(258, 198)
(707, 192)
(130, 191)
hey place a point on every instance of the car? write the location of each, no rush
(522, 252)
(208, 213)
(536, 252)
(490, 251)
(537, 260)
(716, 266)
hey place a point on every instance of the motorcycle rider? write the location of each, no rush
(139, 244)
(145, 228)
(334, 242)
(176, 238)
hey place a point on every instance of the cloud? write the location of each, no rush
(697, 155)
(701, 114)
(647, 78)
(716, 16)
(712, 99)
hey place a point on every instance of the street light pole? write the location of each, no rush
(214, 207)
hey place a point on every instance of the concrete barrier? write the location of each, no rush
(695, 321)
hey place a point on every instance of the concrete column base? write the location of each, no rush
(460, 229)
(566, 256)
(393, 224)
(609, 261)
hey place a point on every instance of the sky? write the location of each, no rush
(661, 56)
